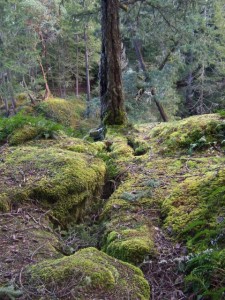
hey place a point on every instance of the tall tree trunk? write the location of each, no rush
(11, 91)
(140, 57)
(77, 66)
(200, 108)
(111, 91)
(88, 85)
(189, 82)
(144, 69)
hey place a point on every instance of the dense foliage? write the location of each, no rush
(173, 51)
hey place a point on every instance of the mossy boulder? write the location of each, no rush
(65, 181)
(65, 112)
(21, 135)
(119, 150)
(193, 133)
(130, 244)
(87, 274)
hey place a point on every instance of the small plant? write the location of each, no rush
(21, 128)
(205, 275)
(221, 113)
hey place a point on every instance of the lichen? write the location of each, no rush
(89, 272)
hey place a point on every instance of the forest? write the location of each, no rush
(112, 143)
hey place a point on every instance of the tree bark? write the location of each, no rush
(88, 86)
(77, 66)
(111, 91)
(11, 91)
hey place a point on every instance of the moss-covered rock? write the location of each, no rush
(131, 244)
(65, 112)
(65, 181)
(193, 133)
(87, 274)
(21, 135)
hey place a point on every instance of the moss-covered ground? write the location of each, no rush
(177, 183)
(163, 211)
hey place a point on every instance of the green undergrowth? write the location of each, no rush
(88, 273)
(195, 214)
(206, 278)
(21, 128)
(48, 119)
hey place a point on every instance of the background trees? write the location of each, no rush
(174, 54)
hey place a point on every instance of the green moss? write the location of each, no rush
(65, 112)
(140, 147)
(61, 180)
(195, 209)
(131, 245)
(113, 206)
(23, 134)
(120, 149)
(4, 202)
(194, 133)
(90, 272)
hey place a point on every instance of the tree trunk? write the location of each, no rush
(47, 89)
(111, 91)
(140, 57)
(77, 67)
(161, 110)
(5, 101)
(11, 91)
(144, 69)
(88, 89)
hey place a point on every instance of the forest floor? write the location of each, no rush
(157, 205)
(162, 270)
